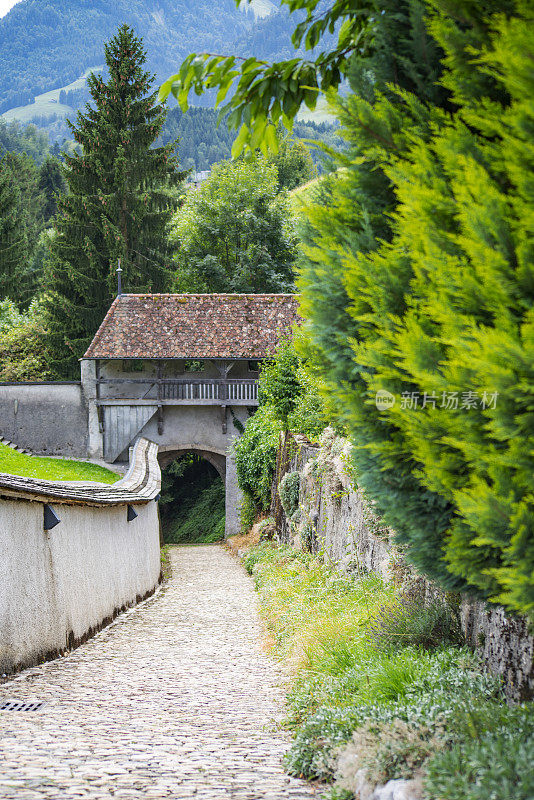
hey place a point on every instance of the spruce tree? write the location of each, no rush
(12, 240)
(21, 221)
(52, 184)
(121, 195)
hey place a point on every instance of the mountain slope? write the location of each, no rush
(45, 44)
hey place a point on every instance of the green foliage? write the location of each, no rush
(395, 713)
(309, 415)
(119, 202)
(23, 343)
(264, 94)
(289, 492)
(418, 281)
(496, 763)
(165, 560)
(257, 555)
(293, 162)
(202, 518)
(9, 314)
(52, 469)
(387, 751)
(21, 207)
(255, 455)
(205, 140)
(247, 512)
(51, 44)
(234, 233)
(52, 183)
(408, 622)
(279, 386)
(15, 138)
(293, 391)
(12, 243)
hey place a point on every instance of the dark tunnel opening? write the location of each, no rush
(192, 504)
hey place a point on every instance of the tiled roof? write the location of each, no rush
(194, 326)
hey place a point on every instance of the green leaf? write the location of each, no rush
(239, 144)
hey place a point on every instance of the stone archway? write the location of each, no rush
(166, 456)
(224, 464)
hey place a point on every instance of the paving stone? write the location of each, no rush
(176, 699)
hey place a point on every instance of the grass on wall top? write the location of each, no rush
(52, 469)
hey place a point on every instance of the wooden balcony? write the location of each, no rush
(172, 392)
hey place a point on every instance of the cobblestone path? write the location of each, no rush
(175, 700)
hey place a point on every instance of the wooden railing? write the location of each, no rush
(207, 390)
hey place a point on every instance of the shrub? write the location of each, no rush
(309, 416)
(287, 385)
(408, 621)
(289, 493)
(255, 455)
(279, 385)
(23, 344)
(387, 751)
(312, 752)
(247, 512)
(433, 697)
(492, 764)
(267, 528)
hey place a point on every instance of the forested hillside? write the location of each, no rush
(203, 142)
(47, 44)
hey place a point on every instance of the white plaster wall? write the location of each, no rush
(58, 586)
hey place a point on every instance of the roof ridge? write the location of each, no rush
(208, 294)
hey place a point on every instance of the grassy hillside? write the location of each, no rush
(48, 104)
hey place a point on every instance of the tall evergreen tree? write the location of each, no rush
(122, 192)
(12, 243)
(52, 184)
(21, 223)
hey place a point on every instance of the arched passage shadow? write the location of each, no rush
(192, 501)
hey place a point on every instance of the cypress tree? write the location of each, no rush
(438, 309)
(121, 194)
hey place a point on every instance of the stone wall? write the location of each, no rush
(58, 587)
(46, 418)
(334, 517)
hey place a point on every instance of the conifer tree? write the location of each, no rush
(12, 241)
(121, 195)
(52, 184)
(438, 311)
(21, 223)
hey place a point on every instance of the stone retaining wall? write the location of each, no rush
(334, 517)
(60, 586)
(46, 418)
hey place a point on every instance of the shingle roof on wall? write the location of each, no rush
(194, 326)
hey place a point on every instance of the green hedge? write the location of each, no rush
(424, 288)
